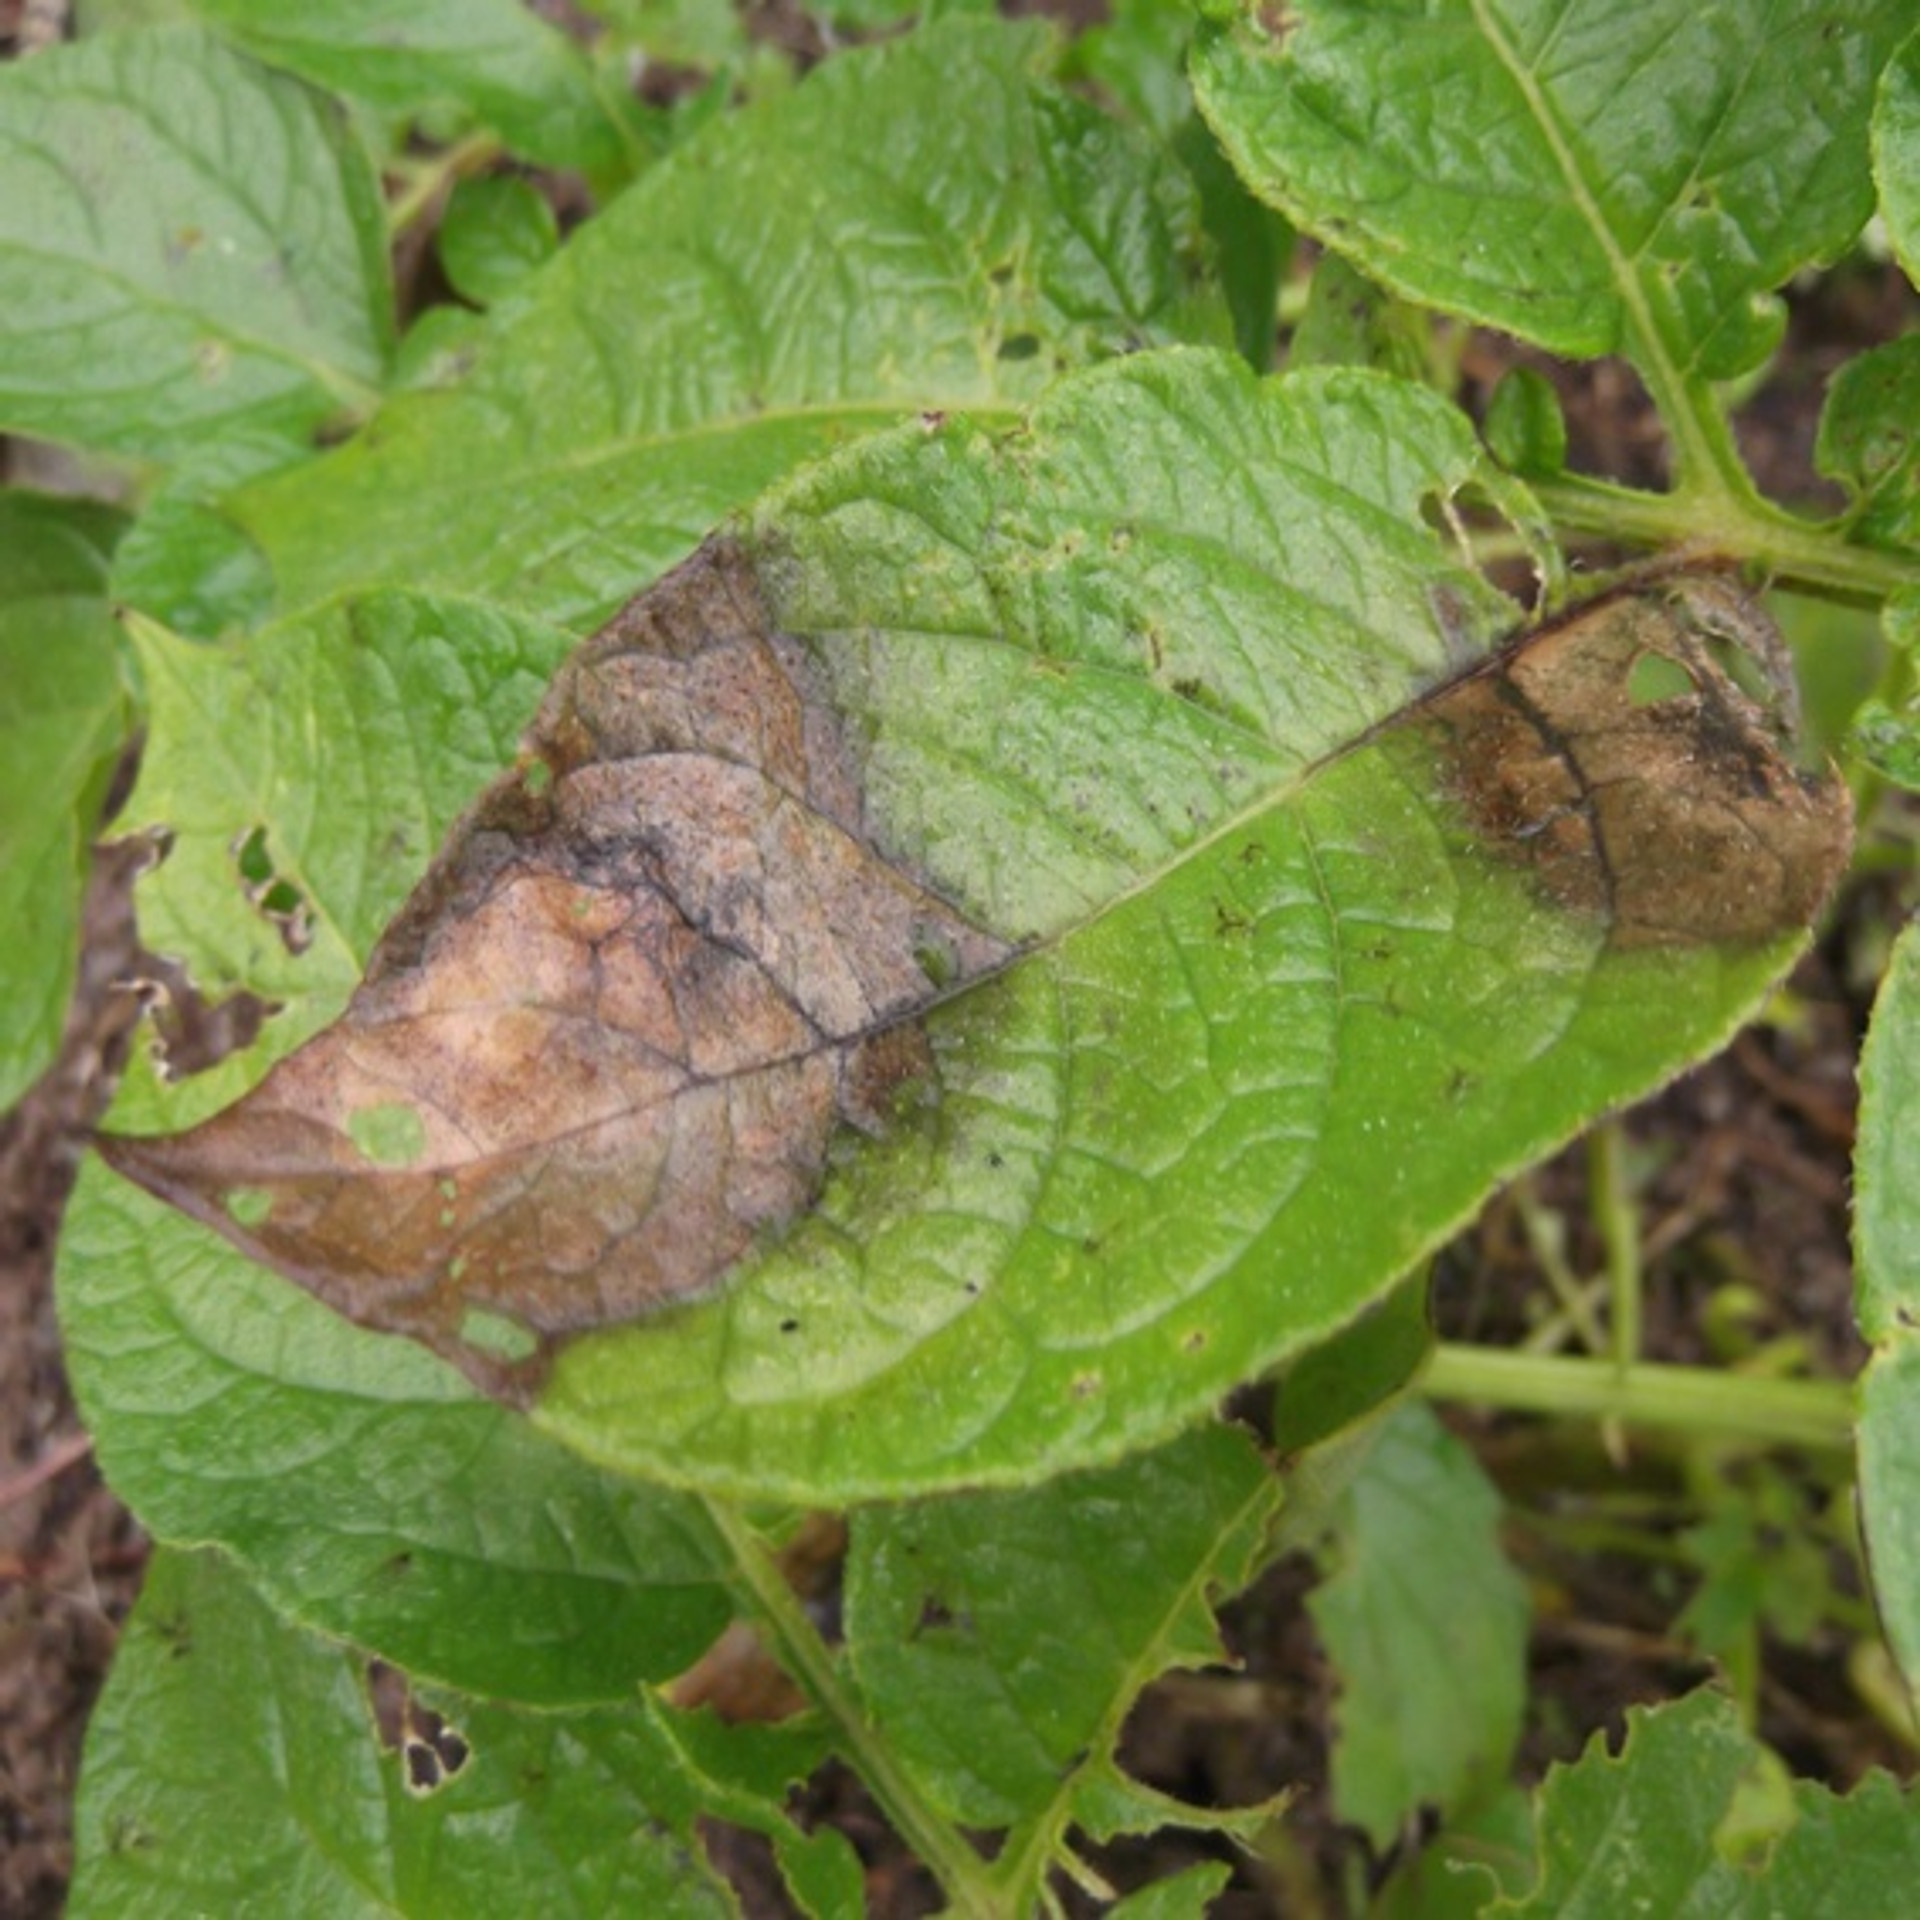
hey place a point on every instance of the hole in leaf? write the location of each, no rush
(1656, 677)
(274, 896)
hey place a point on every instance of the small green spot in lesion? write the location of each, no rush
(1656, 677)
(496, 1335)
(449, 1189)
(248, 1206)
(537, 778)
(935, 958)
(390, 1133)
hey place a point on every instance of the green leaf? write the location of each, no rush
(764, 294)
(1333, 1387)
(1426, 1623)
(366, 1491)
(688, 33)
(1138, 58)
(1896, 152)
(1187, 1895)
(1000, 1638)
(493, 234)
(1525, 426)
(1886, 1234)
(183, 562)
(1870, 441)
(495, 58)
(1350, 322)
(340, 746)
(236, 1765)
(1887, 738)
(191, 249)
(64, 717)
(1237, 1007)
(1659, 1828)
(1595, 178)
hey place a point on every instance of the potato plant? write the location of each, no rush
(917, 813)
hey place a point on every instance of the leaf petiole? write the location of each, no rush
(1809, 1413)
(763, 1589)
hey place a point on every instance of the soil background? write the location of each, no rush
(1754, 1156)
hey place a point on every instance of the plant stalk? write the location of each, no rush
(944, 1851)
(1807, 1413)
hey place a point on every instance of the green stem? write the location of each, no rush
(1619, 1226)
(427, 182)
(1796, 552)
(962, 1873)
(1808, 1413)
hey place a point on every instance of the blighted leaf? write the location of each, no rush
(606, 1043)
(1617, 761)
(1175, 692)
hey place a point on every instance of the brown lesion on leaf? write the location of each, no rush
(432, 1750)
(653, 970)
(1616, 757)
